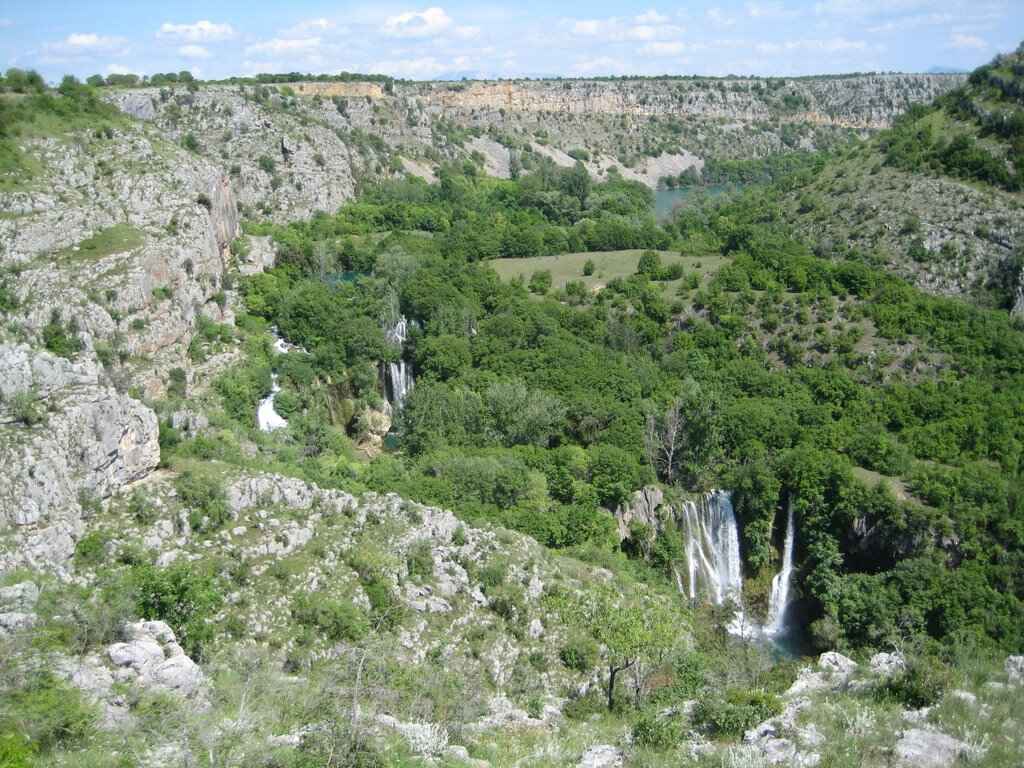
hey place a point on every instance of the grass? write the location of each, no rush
(607, 266)
(116, 239)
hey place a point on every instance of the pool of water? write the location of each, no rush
(666, 200)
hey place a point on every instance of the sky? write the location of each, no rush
(524, 38)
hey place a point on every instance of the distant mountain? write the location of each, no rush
(939, 69)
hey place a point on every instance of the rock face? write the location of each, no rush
(602, 756)
(919, 748)
(1015, 669)
(93, 441)
(152, 658)
(17, 606)
(121, 240)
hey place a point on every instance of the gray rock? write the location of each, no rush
(920, 748)
(153, 659)
(21, 597)
(887, 664)
(836, 663)
(602, 756)
(1015, 669)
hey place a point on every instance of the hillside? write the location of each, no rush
(937, 197)
(329, 440)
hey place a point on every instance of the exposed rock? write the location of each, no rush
(427, 739)
(836, 663)
(602, 756)
(642, 508)
(1015, 669)
(887, 664)
(153, 659)
(920, 748)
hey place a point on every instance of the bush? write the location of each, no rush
(26, 409)
(183, 595)
(649, 264)
(203, 495)
(657, 732)
(737, 711)
(47, 712)
(61, 340)
(337, 619)
(588, 268)
(266, 164)
(920, 684)
(420, 561)
(579, 654)
(540, 281)
(91, 550)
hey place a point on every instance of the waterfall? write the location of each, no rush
(399, 374)
(712, 548)
(779, 600)
(268, 419)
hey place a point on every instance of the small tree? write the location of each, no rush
(540, 281)
(635, 632)
(650, 264)
(588, 268)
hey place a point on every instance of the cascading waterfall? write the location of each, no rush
(712, 548)
(779, 600)
(267, 418)
(399, 374)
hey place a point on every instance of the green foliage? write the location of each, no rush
(61, 339)
(420, 561)
(26, 408)
(41, 713)
(185, 595)
(657, 732)
(337, 619)
(735, 712)
(203, 495)
(579, 654)
(91, 550)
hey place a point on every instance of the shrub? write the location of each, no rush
(920, 684)
(204, 496)
(91, 550)
(579, 654)
(337, 619)
(649, 264)
(657, 732)
(588, 268)
(420, 561)
(266, 164)
(59, 339)
(190, 142)
(47, 713)
(26, 409)
(737, 711)
(540, 281)
(182, 594)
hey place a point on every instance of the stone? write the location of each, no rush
(887, 664)
(836, 663)
(602, 756)
(152, 658)
(1015, 669)
(20, 597)
(920, 748)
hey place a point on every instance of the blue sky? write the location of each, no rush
(522, 38)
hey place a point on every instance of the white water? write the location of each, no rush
(715, 570)
(779, 600)
(399, 374)
(267, 418)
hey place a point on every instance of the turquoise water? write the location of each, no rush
(665, 200)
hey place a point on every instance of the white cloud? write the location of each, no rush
(765, 11)
(614, 28)
(428, 23)
(281, 45)
(201, 31)
(911, 22)
(974, 42)
(719, 18)
(830, 45)
(600, 65)
(117, 69)
(422, 68)
(5, 23)
(90, 41)
(651, 17)
(467, 33)
(193, 51)
(663, 49)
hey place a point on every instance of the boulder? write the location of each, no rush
(602, 756)
(887, 664)
(836, 663)
(1015, 669)
(153, 659)
(920, 748)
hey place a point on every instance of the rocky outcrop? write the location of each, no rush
(920, 748)
(151, 658)
(93, 441)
